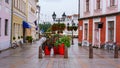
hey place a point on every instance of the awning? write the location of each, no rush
(26, 25)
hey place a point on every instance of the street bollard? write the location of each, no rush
(116, 52)
(40, 52)
(90, 51)
(66, 52)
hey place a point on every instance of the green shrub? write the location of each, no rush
(29, 38)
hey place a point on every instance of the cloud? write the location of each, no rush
(58, 6)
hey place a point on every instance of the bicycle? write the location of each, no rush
(15, 45)
(110, 46)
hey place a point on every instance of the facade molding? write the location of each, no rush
(104, 15)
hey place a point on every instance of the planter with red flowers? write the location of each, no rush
(62, 44)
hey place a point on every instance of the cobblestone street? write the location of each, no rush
(78, 58)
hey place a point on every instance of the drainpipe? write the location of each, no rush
(78, 9)
(11, 21)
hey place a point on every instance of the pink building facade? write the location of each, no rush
(5, 23)
(99, 22)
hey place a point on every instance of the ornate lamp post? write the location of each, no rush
(73, 24)
(71, 28)
(59, 19)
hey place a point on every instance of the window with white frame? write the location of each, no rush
(7, 1)
(85, 31)
(98, 4)
(87, 5)
(6, 27)
(112, 2)
(0, 26)
(111, 31)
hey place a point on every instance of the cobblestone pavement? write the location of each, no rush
(27, 57)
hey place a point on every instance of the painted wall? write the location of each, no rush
(19, 15)
(103, 31)
(5, 13)
(80, 31)
(118, 29)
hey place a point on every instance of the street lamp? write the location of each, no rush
(38, 7)
(54, 16)
(73, 24)
(59, 19)
(71, 28)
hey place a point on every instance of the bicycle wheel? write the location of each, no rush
(13, 45)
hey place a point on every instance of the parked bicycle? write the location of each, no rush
(110, 46)
(17, 44)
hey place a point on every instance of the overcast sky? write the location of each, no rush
(57, 6)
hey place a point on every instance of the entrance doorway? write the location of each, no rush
(96, 35)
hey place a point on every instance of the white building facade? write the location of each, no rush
(5, 24)
(71, 19)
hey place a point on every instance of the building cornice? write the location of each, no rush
(104, 15)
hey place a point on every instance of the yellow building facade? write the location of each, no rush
(19, 15)
(24, 14)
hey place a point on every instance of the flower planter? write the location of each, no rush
(61, 49)
(56, 50)
(47, 51)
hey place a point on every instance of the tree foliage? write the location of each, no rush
(44, 26)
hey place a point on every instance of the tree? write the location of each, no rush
(45, 26)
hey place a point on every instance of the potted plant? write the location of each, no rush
(47, 46)
(65, 40)
(56, 46)
(29, 39)
(62, 43)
